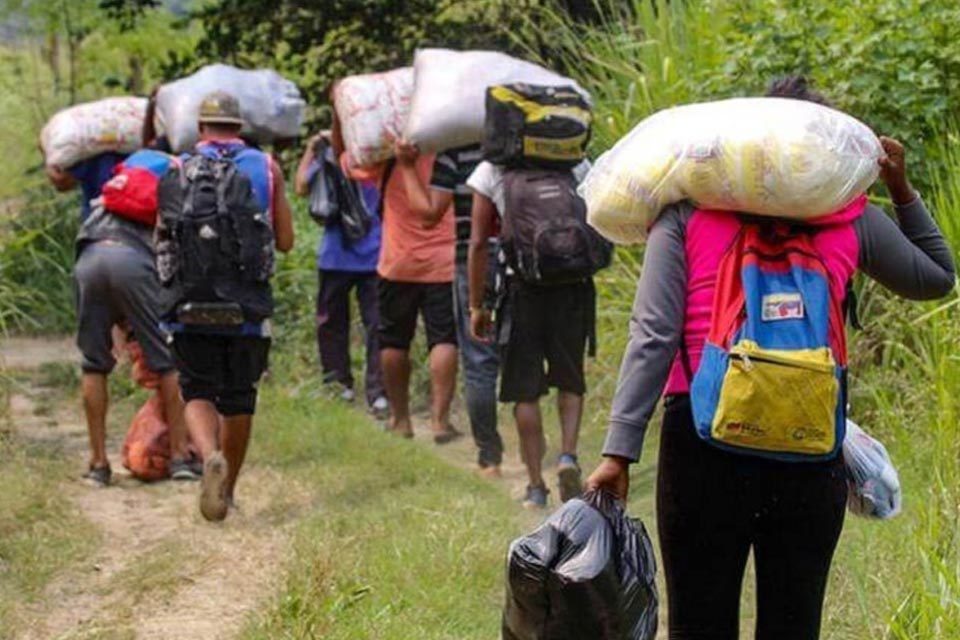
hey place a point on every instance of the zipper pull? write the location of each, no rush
(747, 364)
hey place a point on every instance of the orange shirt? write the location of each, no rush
(408, 252)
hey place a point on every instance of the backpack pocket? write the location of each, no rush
(778, 401)
(561, 253)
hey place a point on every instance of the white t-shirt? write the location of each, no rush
(487, 180)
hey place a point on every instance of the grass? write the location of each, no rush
(401, 544)
(40, 533)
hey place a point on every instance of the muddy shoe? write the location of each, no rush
(98, 477)
(213, 498)
(536, 497)
(380, 408)
(570, 479)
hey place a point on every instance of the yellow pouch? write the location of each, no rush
(778, 401)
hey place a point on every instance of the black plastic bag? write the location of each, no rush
(587, 572)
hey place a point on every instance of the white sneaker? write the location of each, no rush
(348, 395)
(380, 408)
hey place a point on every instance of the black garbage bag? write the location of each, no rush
(587, 572)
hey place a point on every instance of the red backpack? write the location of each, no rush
(132, 191)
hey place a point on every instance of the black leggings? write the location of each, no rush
(714, 506)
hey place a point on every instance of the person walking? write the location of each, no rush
(343, 266)
(478, 360)
(416, 273)
(223, 212)
(116, 284)
(718, 500)
(544, 329)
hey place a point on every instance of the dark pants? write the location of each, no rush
(714, 506)
(480, 367)
(333, 328)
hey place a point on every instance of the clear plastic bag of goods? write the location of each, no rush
(765, 156)
(587, 572)
(271, 106)
(449, 97)
(872, 480)
(85, 130)
(373, 110)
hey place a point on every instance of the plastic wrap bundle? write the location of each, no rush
(373, 110)
(873, 483)
(587, 572)
(85, 130)
(449, 98)
(766, 156)
(271, 105)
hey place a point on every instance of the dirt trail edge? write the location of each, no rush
(158, 571)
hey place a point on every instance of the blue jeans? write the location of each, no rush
(480, 367)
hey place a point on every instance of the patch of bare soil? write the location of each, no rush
(159, 570)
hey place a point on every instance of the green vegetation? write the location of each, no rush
(40, 533)
(400, 544)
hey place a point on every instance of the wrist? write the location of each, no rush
(901, 192)
(619, 461)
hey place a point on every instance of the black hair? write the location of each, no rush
(796, 87)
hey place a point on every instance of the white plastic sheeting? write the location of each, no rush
(765, 156)
(85, 130)
(271, 105)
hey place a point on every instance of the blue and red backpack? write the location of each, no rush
(772, 377)
(132, 191)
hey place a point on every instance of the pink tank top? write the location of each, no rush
(708, 235)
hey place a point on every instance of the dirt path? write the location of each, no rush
(159, 571)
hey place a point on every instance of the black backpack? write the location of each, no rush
(536, 126)
(545, 236)
(214, 242)
(336, 200)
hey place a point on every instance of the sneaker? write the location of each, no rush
(98, 477)
(380, 408)
(213, 498)
(182, 469)
(536, 497)
(348, 395)
(569, 476)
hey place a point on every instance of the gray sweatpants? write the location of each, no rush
(114, 283)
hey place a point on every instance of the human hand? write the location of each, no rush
(406, 152)
(893, 171)
(481, 326)
(611, 475)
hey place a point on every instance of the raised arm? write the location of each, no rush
(656, 328)
(305, 170)
(428, 203)
(912, 260)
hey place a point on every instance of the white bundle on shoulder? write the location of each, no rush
(450, 87)
(765, 156)
(271, 106)
(873, 482)
(85, 130)
(372, 109)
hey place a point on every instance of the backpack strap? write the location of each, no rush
(851, 311)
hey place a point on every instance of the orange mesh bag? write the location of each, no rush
(146, 449)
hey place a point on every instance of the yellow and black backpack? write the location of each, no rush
(536, 126)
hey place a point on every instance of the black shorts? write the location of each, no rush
(221, 369)
(400, 302)
(543, 338)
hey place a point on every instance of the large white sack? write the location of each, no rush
(373, 110)
(85, 130)
(767, 156)
(271, 105)
(449, 97)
